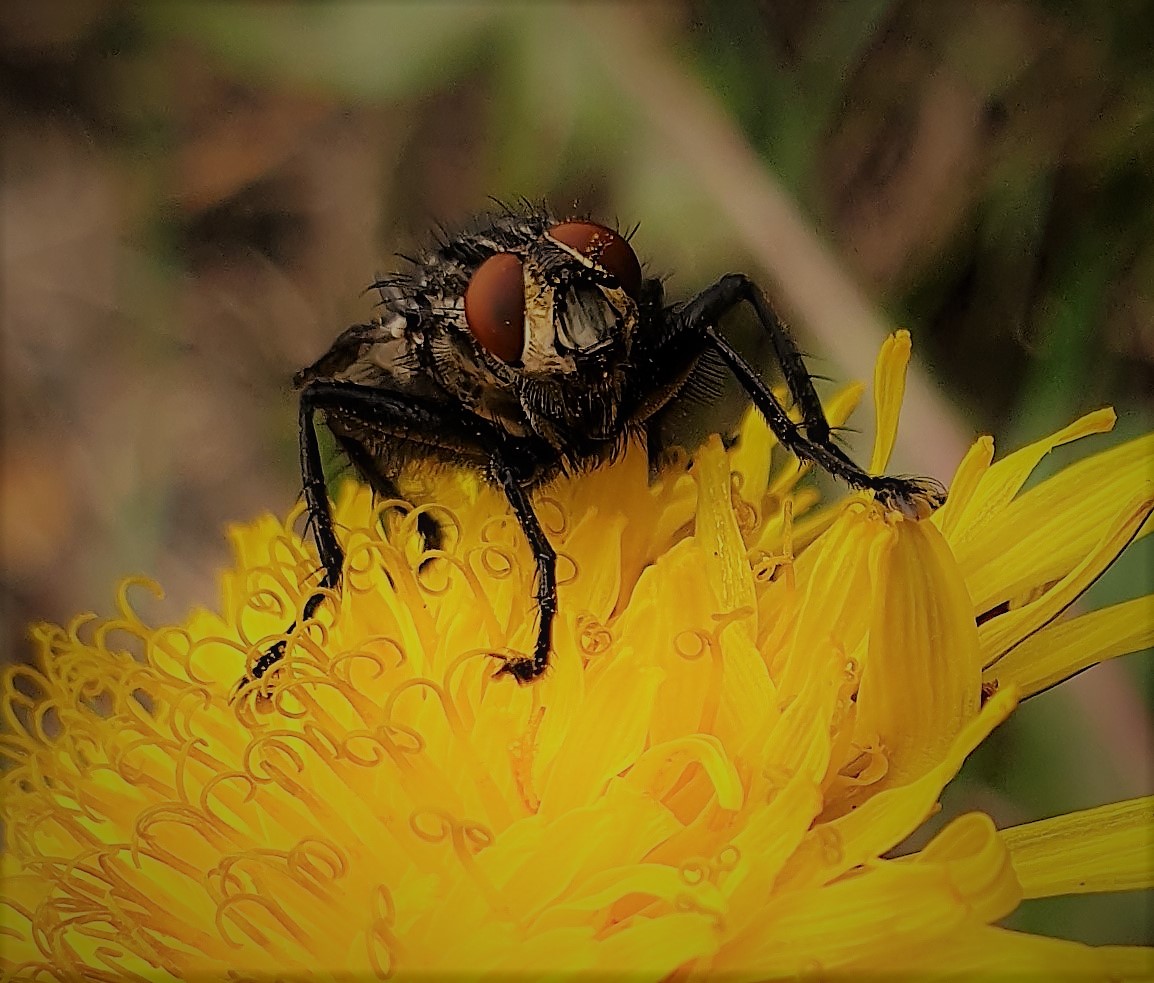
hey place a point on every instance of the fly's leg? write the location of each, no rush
(810, 440)
(389, 414)
(912, 496)
(384, 487)
(321, 519)
(545, 557)
(735, 288)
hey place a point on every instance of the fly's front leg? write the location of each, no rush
(321, 520)
(713, 303)
(811, 439)
(545, 557)
(387, 413)
(915, 497)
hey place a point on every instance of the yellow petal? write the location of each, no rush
(594, 589)
(688, 790)
(717, 534)
(605, 737)
(771, 833)
(981, 865)
(844, 402)
(784, 480)
(889, 388)
(982, 952)
(966, 480)
(641, 884)
(798, 742)
(652, 948)
(556, 955)
(750, 456)
(659, 768)
(866, 921)
(885, 819)
(1045, 532)
(1065, 648)
(922, 677)
(666, 621)
(835, 590)
(1000, 634)
(1109, 848)
(999, 484)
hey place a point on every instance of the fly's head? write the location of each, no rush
(554, 311)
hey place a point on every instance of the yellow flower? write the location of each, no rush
(752, 701)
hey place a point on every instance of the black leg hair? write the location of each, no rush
(913, 496)
(514, 463)
(386, 488)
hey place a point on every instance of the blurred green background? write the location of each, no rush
(193, 197)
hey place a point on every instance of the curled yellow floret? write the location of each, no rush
(752, 701)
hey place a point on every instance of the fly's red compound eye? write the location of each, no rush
(606, 248)
(495, 306)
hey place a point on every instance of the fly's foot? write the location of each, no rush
(268, 660)
(915, 498)
(260, 669)
(520, 667)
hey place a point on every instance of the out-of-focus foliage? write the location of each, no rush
(194, 195)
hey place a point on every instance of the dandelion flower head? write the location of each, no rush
(754, 698)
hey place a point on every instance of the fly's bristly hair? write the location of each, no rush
(527, 345)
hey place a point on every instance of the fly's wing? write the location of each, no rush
(711, 400)
(707, 402)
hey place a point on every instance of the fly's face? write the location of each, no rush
(560, 313)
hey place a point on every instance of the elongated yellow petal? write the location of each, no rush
(966, 480)
(749, 458)
(799, 741)
(998, 484)
(841, 407)
(888, 817)
(719, 538)
(889, 387)
(1000, 634)
(982, 870)
(1110, 848)
(651, 948)
(605, 737)
(668, 627)
(744, 714)
(1045, 532)
(771, 834)
(922, 676)
(594, 590)
(659, 768)
(997, 955)
(1065, 648)
(830, 607)
(964, 874)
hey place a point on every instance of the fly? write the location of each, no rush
(528, 347)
